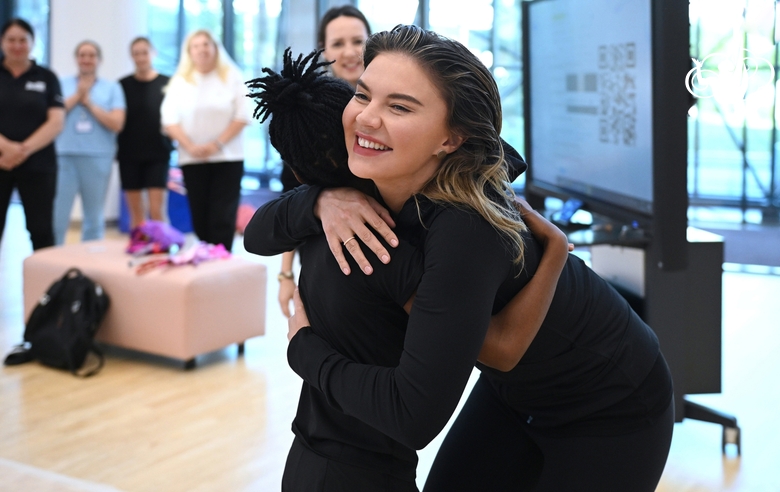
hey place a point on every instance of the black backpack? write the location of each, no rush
(62, 326)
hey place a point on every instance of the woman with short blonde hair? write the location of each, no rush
(205, 112)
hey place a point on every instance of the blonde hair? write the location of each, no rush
(475, 175)
(186, 67)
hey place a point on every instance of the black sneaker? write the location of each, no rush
(19, 355)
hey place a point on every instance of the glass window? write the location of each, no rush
(732, 143)
(164, 33)
(383, 15)
(203, 14)
(491, 29)
(36, 12)
(256, 30)
(507, 69)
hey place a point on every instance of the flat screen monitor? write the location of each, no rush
(605, 108)
(589, 88)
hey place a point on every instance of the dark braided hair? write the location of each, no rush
(305, 106)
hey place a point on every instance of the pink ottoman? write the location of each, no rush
(173, 311)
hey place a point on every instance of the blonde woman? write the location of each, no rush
(205, 112)
(584, 400)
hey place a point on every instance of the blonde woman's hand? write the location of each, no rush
(202, 151)
(345, 213)
(299, 319)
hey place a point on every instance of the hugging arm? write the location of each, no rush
(513, 328)
(465, 262)
(284, 223)
(345, 212)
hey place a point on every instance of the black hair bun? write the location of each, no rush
(305, 106)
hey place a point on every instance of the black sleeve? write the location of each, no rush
(283, 223)
(54, 91)
(465, 262)
(515, 163)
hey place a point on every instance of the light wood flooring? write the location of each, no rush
(144, 424)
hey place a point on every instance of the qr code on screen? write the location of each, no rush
(617, 91)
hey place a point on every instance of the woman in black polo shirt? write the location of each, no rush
(31, 116)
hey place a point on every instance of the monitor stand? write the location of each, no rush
(683, 307)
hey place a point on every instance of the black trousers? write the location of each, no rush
(489, 448)
(213, 193)
(306, 471)
(36, 190)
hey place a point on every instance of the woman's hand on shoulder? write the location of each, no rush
(344, 213)
(553, 239)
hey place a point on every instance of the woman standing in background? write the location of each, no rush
(87, 146)
(31, 116)
(144, 152)
(205, 111)
(341, 33)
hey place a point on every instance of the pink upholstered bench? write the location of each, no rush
(173, 311)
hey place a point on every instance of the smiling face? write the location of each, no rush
(203, 52)
(16, 44)
(344, 38)
(87, 59)
(142, 55)
(394, 127)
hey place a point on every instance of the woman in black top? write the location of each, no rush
(302, 103)
(143, 151)
(588, 406)
(341, 33)
(31, 116)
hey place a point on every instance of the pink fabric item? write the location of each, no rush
(197, 253)
(153, 237)
(244, 215)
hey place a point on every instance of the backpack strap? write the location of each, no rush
(85, 373)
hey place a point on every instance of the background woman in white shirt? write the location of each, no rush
(205, 111)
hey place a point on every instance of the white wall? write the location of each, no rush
(110, 23)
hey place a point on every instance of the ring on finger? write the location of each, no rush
(348, 240)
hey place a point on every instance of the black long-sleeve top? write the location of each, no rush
(372, 401)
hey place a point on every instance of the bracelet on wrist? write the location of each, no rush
(221, 146)
(285, 276)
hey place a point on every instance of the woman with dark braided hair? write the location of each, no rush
(340, 36)
(581, 402)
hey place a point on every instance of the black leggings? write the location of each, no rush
(490, 449)
(36, 190)
(213, 193)
(306, 471)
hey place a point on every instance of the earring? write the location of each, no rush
(441, 154)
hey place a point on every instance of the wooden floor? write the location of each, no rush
(144, 424)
